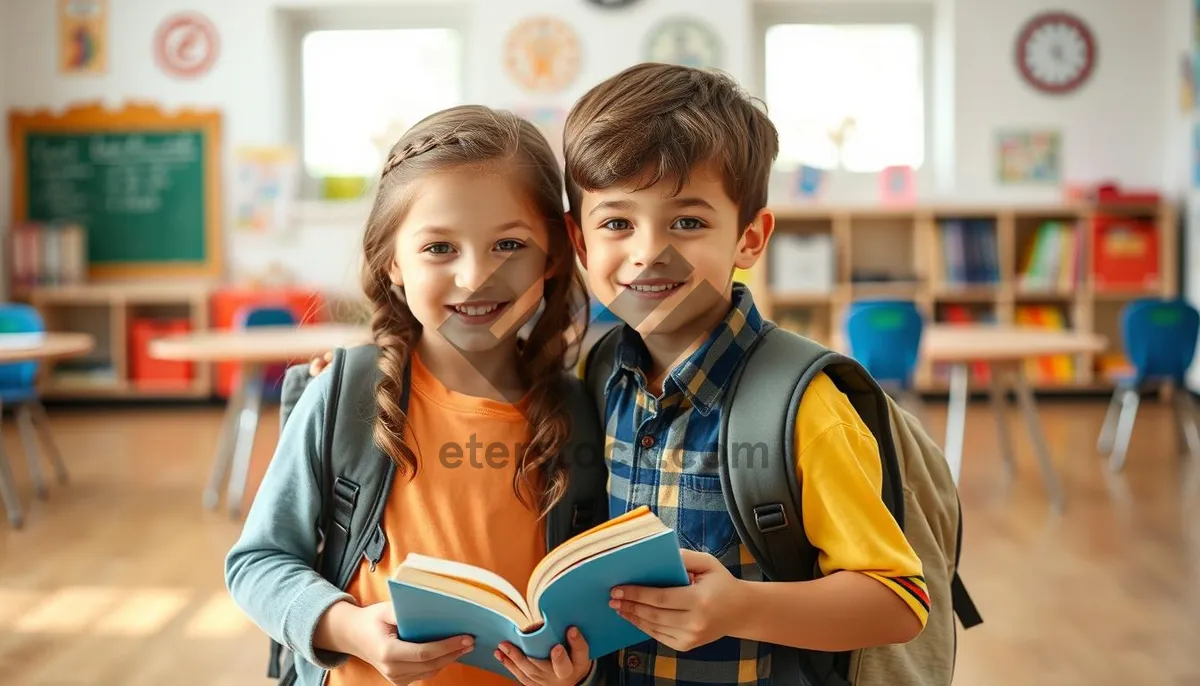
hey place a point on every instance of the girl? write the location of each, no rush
(464, 243)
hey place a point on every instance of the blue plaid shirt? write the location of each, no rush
(662, 452)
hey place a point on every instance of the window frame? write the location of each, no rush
(920, 15)
(295, 23)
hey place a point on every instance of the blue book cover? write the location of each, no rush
(575, 596)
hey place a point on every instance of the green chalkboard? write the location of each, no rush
(143, 187)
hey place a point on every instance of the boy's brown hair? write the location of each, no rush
(660, 121)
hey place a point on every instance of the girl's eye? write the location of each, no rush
(509, 245)
(438, 248)
(688, 223)
(615, 225)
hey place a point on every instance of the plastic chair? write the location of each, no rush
(1160, 339)
(885, 337)
(272, 315)
(18, 388)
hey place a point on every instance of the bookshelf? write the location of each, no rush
(1056, 266)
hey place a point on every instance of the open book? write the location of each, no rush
(437, 598)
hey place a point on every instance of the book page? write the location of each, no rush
(467, 574)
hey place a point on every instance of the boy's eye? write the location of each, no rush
(438, 248)
(616, 225)
(688, 223)
(509, 245)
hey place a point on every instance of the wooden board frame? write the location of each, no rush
(134, 117)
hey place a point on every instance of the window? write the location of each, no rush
(863, 83)
(363, 88)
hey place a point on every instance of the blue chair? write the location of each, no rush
(241, 420)
(1160, 339)
(885, 337)
(18, 389)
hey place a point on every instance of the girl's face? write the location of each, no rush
(471, 254)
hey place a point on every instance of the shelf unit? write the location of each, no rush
(105, 311)
(899, 252)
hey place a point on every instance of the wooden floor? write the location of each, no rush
(117, 578)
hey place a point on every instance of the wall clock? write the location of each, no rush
(685, 41)
(542, 54)
(1056, 52)
(611, 3)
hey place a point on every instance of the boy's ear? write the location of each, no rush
(754, 239)
(576, 235)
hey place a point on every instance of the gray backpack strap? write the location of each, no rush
(358, 474)
(601, 359)
(585, 503)
(763, 496)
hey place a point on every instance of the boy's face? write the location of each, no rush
(663, 262)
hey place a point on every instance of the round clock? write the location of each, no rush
(684, 40)
(1056, 52)
(611, 3)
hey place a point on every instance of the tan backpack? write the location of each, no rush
(760, 409)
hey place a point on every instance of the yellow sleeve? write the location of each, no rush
(841, 476)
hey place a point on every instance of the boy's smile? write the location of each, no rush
(663, 260)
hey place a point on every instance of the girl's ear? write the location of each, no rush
(394, 274)
(576, 235)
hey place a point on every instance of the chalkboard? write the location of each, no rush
(142, 183)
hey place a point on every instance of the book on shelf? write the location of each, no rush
(969, 252)
(1050, 258)
(47, 254)
(570, 586)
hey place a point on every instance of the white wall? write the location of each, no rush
(1115, 127)
(5, 186)
(1112, 126)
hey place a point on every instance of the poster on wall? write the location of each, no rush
(82, 36)
(1029, 156)
(550, 120)
(267, 184)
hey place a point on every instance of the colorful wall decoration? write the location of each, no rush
(686, 41)
(542, 54)
(83, 36)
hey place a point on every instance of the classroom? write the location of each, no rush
(992, 205)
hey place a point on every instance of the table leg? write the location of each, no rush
(29, 442)
(252, 388)
(225, 444)
(8, 489)
(999, 403)
(956, 418)
(42, 423)
(1029, 410)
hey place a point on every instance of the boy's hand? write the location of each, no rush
(318, 363)
(564, 668)
(401, 662)
(689, 616)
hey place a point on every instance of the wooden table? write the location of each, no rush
(1005, 349)
(54, 345)
(254, 348)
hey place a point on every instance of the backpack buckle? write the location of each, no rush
(770, 518)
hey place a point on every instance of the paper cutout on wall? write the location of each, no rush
(83, 36)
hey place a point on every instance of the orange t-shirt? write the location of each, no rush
(460, 507)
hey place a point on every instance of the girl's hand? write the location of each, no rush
(564, 668)
(318, 363)
(401, 662)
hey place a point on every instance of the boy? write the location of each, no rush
(667, 171)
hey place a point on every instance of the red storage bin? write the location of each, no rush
(148, 372)
(1125, 254)
(307, 304)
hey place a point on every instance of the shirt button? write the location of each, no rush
(633, 662)
(647, 441)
